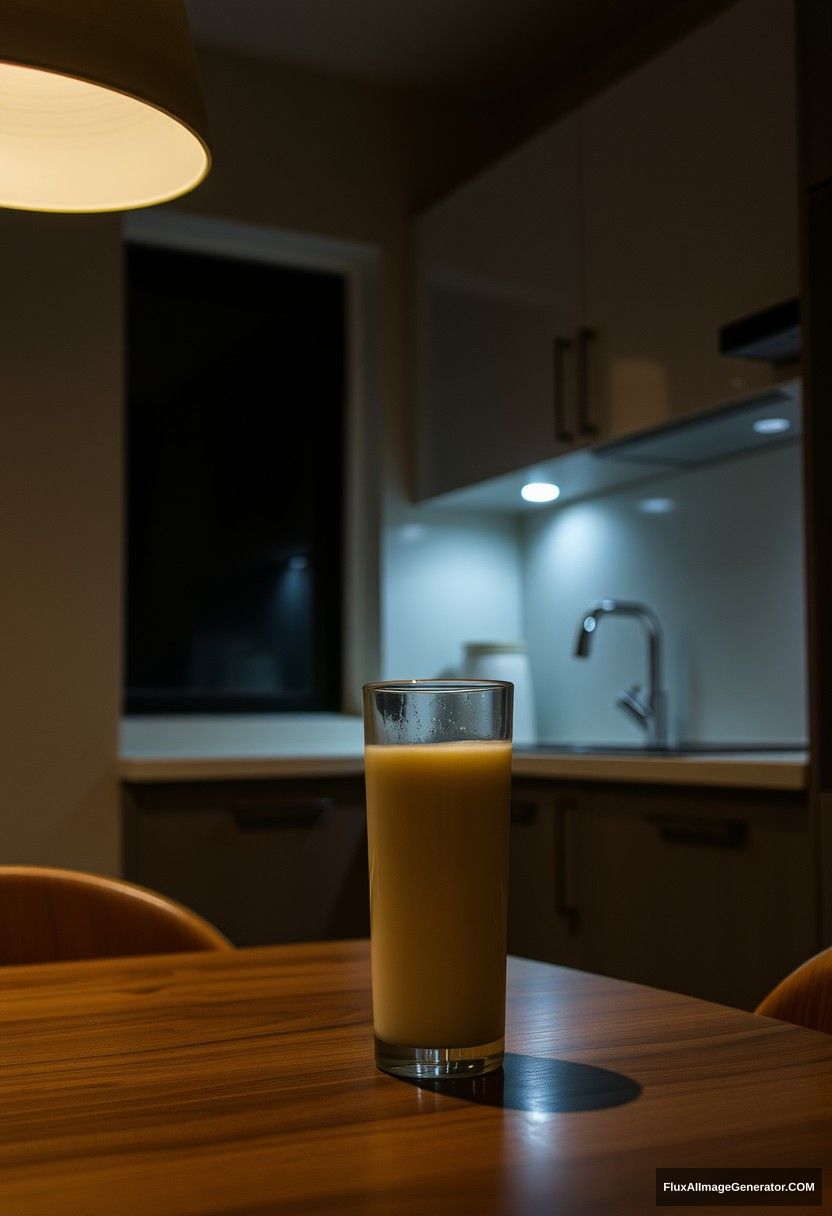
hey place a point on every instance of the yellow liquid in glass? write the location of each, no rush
(438, 823)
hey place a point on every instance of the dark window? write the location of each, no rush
(235, 454)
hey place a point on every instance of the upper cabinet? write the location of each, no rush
(574, 292)
(690, 205)
(498, 302)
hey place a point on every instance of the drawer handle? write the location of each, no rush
(566, 899)
(562, 432)
(713, 833)
(585, 423)
(523, 812)
(277, 816)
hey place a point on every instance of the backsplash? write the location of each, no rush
(447, 578)
(717, 553)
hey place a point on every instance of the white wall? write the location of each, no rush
(447, 578)
(724, 572)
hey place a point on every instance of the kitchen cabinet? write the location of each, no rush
(498, 304)
(690, 197)
(707, 892)
(535, 927)
(703, 891)
(265, 861)
(574, 292)
(814, 39)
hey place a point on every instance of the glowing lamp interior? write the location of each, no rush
(70, 145)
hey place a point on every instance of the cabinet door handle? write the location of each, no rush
(714, 833)
(584, 338)
(275, 816)
(523, 812)
(561, 348)
(566, 899)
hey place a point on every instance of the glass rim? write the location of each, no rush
(438, 686)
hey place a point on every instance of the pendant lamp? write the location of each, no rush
(100, 105)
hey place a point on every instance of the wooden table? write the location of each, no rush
(244, 1083)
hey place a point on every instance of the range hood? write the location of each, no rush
(770, 336)
(729, 430)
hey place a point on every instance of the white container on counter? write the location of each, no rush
(506, 661)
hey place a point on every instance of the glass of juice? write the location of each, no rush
(438, 773)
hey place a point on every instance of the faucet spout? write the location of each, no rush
(587, 627)
(649, 712)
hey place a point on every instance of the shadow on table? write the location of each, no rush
(536, 1083)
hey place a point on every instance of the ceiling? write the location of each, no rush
(495, 51)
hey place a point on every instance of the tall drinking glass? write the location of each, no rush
(438, 772)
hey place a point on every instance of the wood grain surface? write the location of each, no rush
(243, 1082)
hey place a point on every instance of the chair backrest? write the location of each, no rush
(51, 915)
(805, 996)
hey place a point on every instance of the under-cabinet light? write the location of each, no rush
(772, 426)
(540, 491)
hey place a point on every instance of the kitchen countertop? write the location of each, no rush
(250, 746)
(764, 770)
(200, 748)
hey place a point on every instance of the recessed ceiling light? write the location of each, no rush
(657, 506)
(772, 426)
(540, 491)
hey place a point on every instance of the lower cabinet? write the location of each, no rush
(708, 892)
(705, 892)
(265, 861)
(536, 927)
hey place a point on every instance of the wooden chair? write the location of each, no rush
(805, 996)
(50, 916)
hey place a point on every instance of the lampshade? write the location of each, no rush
(100, 105)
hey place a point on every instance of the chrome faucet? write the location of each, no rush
(649, 712)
